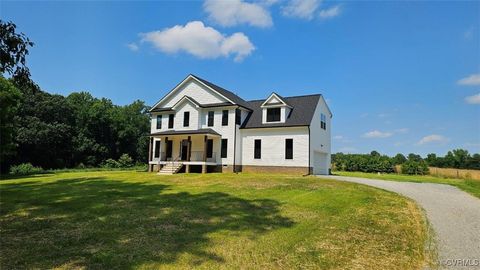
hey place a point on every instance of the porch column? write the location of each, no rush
(189, 151)
(150, 153)
(205, 148)
(204, 166)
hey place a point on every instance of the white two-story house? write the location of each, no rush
(201, 127)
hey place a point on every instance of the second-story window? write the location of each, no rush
(238, 117)
(323, 121)
(273, 115)
(170, 120)
(186, 119)
(210, 118)
(225, 118)
(159, 121)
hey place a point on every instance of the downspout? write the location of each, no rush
(235, 141)
(309, 150)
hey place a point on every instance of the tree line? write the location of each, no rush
(55, 131)
(410, 164)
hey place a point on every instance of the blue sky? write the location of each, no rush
(398, 76)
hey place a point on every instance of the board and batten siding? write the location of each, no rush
(273, 146)
(195, 90)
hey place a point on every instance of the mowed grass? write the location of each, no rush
(138, 220)
(471, 186)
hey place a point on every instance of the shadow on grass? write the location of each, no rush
(100, 223)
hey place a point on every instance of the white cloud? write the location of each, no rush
(402, 130)
(330, 12)
(338, 137)
(475, 99)
(201, 41)
(434, 138)
(377, 134)
(304, 9)
(133, 46)
(235, 12)
(473, 79)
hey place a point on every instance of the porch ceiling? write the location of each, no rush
(205, 131)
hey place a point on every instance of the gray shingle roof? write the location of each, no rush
(236, 99)
(301, 114)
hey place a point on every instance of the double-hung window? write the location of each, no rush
(210, 118)
(159, 121)
(288, 148)
(257, 149)
(323, 121)
(171, 117)
(225, 118)
(186, 119)
(273, 114)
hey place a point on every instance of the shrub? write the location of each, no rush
(415, 167)
(25, 169)
(125, 161)
(111, 163)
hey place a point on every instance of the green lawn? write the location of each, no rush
(469, 185)
(139, 220)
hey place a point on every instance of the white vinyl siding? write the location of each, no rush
(273, 146)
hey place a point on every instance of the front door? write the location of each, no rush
(168, 150)
(184, 149)
(209, 148)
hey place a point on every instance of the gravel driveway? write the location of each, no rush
(453, 214)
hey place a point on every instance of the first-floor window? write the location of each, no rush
(288, 148)
(224, 148)
(157, 149)
(258, 149)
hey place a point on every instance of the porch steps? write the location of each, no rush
(170, 168)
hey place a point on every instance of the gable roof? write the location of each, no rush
(236, 99)
(185, 98)
(277, 96)
(303, 109)
(231, 97)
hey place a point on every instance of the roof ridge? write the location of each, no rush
(309, 95)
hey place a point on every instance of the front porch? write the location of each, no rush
(184, 151)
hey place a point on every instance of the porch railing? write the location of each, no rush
(194, 156)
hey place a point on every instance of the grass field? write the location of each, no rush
(138, 220)
(469, 185)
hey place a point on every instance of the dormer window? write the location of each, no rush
(273, 114)
(275, 109)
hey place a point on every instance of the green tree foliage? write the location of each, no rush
(373, 162)
(10, 99)
(399, 159)
(13, 50)
(78, 129)
(414, 164)
(415, 167)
